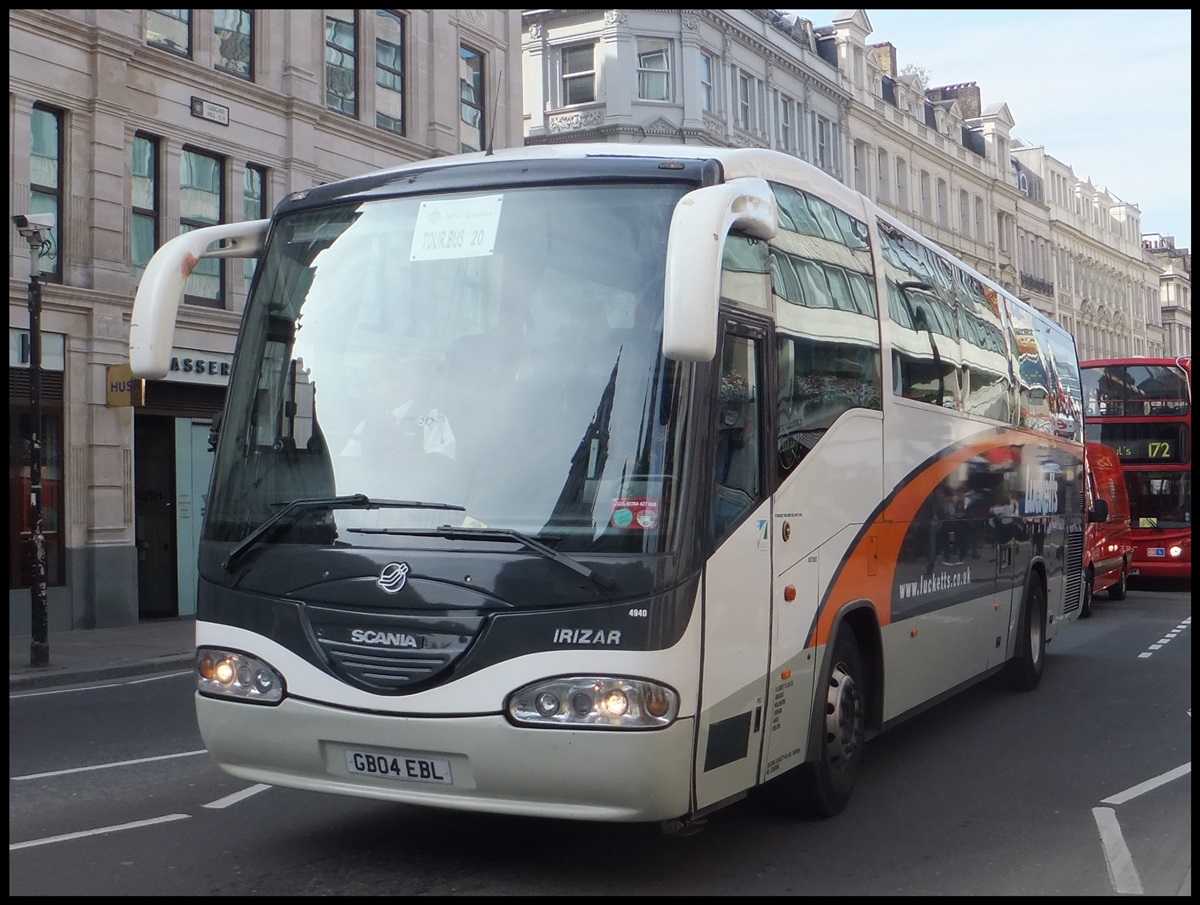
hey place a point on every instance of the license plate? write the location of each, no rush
(401, 766)
(1156, 551)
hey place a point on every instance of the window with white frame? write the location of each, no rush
(787, 128)
(978, 219)
(943, 203)
(708, 82)
(926, 196)
(901, 183)
(654, 69)
(860, 167)
(964, 213)
(578, 74)
(745, 99)
(822, 144)
(881, 175)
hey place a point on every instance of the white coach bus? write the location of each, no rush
(611, 482)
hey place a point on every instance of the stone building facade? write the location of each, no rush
(724, 77)
(129, 126)
(1174, 292)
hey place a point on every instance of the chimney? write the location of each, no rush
(966, 93)
(887, 57)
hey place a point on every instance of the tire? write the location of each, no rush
(1025, 669)
(1085, 608)
(823, 788)
(1121, 588)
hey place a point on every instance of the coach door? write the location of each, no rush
(737, 581)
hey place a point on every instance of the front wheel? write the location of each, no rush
(1025, 669)
(823, 787)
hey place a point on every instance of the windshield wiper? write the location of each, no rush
(547, 551)
(297, 507)
(469, 533)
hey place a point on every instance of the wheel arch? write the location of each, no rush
(861, 619)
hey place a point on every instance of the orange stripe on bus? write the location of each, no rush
(861, 579)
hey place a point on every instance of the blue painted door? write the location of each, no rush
(193, 468)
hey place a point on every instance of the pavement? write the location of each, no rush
(89, 655)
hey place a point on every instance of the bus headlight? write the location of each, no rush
(601, 702)
(1176, 551)
(229, 674)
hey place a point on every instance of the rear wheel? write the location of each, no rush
(1025, 669)
(1085, 609)
(1121, 588)
(823, 788)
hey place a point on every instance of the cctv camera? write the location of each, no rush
(33, 221)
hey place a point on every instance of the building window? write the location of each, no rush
(200, 204)
(943, 202)
(708, 90)
(389, 71)
(254, 207)
(20, 460)
(470, 81)
(744, 101)
(234, 31)
(578, 74)
(787, 129)
(926, 196)
(964, 214)
(170, 29)
(881, 176)
(654, 69)
(901, 184)
(860, 167)
(341, 61)
(144, 239)
(45, 183)
(978, 219)
(822, 146)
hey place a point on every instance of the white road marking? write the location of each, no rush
(1142, 787)
(238, 796)
(97, 832)
(120, 763)
(1121, 872)
(48, 691)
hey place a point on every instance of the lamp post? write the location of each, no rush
(36, 230)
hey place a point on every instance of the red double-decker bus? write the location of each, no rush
(1142, 408)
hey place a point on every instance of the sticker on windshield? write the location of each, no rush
(456, 228)
(635, 512)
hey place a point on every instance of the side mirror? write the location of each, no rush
(159, 292)
(1098, 512)
(695, 249)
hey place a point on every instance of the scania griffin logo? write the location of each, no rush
(393, 576)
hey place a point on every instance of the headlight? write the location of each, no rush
(1176, 551)
(229, 674)
(601, 702)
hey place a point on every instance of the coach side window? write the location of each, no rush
(828, 319)
(987, 386)
(926, 355)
